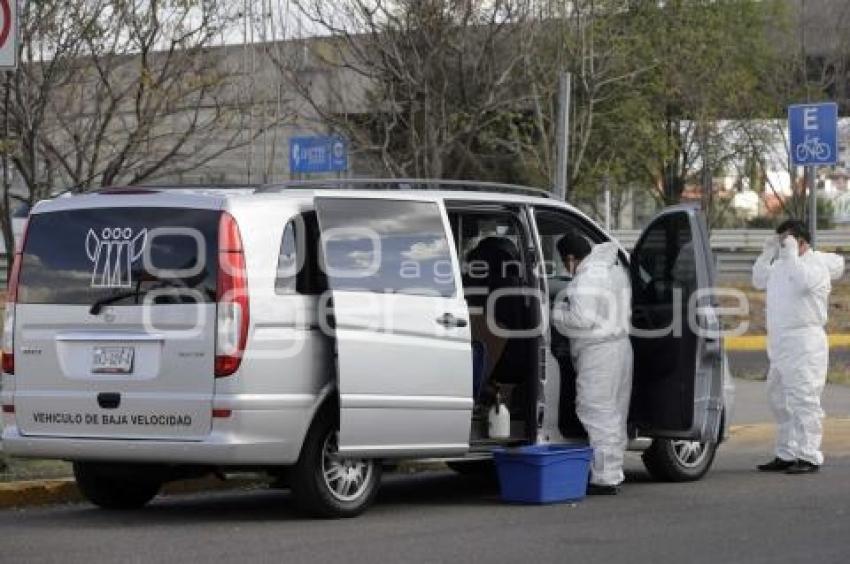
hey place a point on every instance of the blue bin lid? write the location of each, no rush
(543, 454)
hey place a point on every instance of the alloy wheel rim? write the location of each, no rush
(689, 453)
(346, 478)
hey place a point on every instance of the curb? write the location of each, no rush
(38, 492)
(31, 493)
(759, 342)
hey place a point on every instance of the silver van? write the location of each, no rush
(319, 331)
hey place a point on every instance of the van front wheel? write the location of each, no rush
(670, 460)
(114, 486)
(326, 484)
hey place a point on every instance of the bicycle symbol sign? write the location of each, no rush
(812, 149)
(814, 134)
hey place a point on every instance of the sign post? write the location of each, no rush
(8, 34)
(317, 154)
(813, 129)
(562, 170)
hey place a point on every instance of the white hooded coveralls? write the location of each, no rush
(595, 317)
(798, 290)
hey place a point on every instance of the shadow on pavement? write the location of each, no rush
(398, 491)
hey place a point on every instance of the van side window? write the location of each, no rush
(482, 233)
(552, 225)
(386, 246)
(665, 260)
(298, 263)
(287, 262)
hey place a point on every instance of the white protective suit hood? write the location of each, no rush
(603, 254)
(599, 298)
(834, 264)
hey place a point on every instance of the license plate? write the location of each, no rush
(112, 360)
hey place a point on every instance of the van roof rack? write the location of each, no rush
(210, 186)
(405, 184)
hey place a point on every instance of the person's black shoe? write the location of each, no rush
(600, 489)
(776, 465)
(802, 467)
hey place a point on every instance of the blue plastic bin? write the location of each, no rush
(543, 473)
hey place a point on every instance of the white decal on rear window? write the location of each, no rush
(113, 254)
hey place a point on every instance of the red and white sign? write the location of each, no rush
(8, 34)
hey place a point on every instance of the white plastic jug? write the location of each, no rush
(499, 421)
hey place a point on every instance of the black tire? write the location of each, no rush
(482, 468)
(313, 492)
(113, 486)
(669, 460)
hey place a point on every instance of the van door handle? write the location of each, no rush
(449, 320)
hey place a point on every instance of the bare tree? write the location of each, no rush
(426, 87)
(44, 38)
(122, 92)
(596, 42)
(151, 98)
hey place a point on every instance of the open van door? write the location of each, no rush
(401, 326)
(678, 351)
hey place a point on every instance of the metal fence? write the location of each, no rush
(735, 250)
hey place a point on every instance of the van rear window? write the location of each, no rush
(123, 255)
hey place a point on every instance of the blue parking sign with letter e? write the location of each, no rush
(813, 129)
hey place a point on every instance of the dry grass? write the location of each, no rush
(836, 375)
(839, 308)
(13, 469)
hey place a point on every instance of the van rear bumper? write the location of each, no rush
(251, 437)
(205, 452)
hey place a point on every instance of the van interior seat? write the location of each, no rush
(494, 264)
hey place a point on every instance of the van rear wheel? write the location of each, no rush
(670, 460)
(113, 486)
(326, 484)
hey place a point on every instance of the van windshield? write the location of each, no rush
(120, 255)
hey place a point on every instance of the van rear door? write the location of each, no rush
(115, 323)
(678, 351)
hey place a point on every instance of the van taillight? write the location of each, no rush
(233, 315)
(11, 300)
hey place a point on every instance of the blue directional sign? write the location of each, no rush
(328, 153)
(814, 134)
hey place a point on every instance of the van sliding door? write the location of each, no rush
(401, 326)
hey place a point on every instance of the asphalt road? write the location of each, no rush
(734, 515)
(751, 402)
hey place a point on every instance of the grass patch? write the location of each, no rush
(839, 377)
(14, 469)
(751, 376)
(838, 316)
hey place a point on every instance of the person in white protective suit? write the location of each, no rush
(798, 282)
(595, 317)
